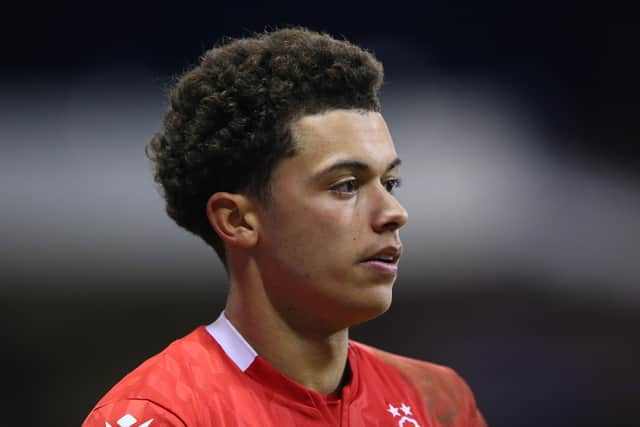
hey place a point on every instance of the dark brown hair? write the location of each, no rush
(227, 124)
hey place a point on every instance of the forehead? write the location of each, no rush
(337, 135)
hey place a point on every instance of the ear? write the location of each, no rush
(234, 218)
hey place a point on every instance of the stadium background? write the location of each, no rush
(518, 128)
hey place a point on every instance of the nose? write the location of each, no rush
(390, 215)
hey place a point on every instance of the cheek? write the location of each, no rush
(317, 236)
(335, 242)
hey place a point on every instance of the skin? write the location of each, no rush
(297, 276)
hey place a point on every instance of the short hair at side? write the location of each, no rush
(228, 121)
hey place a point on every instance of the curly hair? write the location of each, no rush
(228, 121)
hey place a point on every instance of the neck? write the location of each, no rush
(314, 358)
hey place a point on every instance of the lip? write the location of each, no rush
(385, 268)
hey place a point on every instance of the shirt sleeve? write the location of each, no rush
(132, 413)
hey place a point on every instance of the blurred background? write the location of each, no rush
(517, 124)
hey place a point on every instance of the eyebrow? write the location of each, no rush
(356, 165)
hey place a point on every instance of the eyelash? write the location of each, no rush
(394, 182)
(390, 184)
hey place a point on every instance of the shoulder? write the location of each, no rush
(433, 378)
(165, 386)
(129, 412)
(444, 393)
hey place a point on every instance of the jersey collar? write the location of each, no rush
(233, 344)
(259, 369)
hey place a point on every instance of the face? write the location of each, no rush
(328, 240)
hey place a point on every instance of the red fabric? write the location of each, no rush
(192, 383)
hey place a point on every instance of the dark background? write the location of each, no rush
(95, 278)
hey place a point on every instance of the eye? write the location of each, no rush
(391, 184)
(346, 187)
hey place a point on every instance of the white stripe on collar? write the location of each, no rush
(233, 344)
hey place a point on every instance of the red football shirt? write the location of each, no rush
(213, 378)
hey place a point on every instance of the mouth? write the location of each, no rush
(384, 261)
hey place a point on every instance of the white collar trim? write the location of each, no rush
(233, 344)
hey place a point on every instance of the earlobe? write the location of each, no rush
(233, 219)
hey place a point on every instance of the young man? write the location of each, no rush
(274, 152)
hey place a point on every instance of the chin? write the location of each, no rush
(367, 309)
